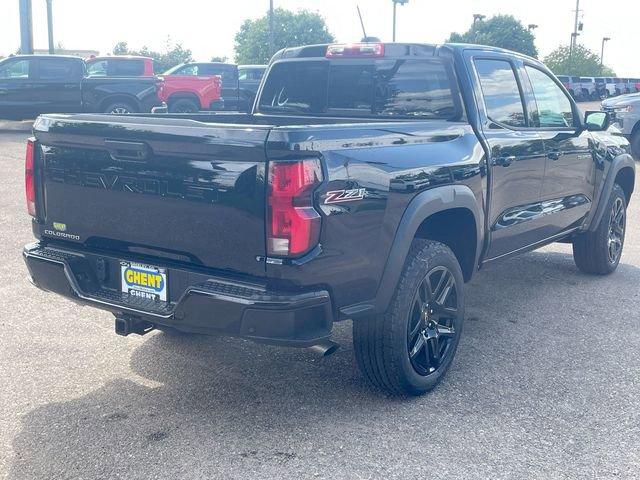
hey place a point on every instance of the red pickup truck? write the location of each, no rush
(188, 94)
(182, 92)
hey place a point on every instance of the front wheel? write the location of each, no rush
(408, 350)
(599, 252)
(635, 144)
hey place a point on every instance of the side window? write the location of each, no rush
(243, 75)
(501, 93)
(15, 69)
(97, 68)
(127, 68)
(554, 107)
(55, 69)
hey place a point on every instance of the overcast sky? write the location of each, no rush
(207, 27)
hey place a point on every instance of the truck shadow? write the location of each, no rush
(225, 403)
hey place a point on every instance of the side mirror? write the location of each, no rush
(597, 121)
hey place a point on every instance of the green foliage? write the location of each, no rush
(503, 31)
(289, 30)
(583, 62)
(173, 54)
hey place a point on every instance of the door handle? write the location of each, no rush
(127, 151)
(506, 161)
(555, 155)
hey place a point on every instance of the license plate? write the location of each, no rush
(144, 281)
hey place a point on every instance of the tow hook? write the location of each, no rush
(126, 324)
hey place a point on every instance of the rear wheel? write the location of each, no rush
(183, 105)
(120, 108)
(599, 252)
(408, 350)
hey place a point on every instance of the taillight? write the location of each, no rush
(159, 84)
(29, 177)
(293, 225)
(355, 50)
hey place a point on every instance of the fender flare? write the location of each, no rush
(617, 164)
(421, 207)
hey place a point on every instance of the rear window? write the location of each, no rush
(386, 87)
(228, 73)
(126, 68)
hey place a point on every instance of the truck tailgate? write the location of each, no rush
(173, 188)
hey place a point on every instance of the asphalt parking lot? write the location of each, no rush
(545, 385)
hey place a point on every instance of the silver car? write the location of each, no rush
(625, 112)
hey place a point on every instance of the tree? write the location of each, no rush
(583, 62)
(173, 54)
(220, 59)
(289, 30)
(503, 31)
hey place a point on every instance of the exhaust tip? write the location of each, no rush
(326, 348)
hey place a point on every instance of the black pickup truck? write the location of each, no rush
(35, 84)
(369, 184)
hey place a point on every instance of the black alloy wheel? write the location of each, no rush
(617, 224)
(431, 332)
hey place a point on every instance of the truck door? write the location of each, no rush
(56, 86)
(568, 185)
(517, 157)
(15, 87)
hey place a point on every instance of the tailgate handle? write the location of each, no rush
(130, 151)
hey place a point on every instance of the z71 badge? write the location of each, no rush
(340, 196)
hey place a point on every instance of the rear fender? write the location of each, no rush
(617, 164)
(419, 209)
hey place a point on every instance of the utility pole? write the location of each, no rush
(26, 27)
(395, 4)
(604, 39)
(50, 25)
(271, 40)
(574, 35)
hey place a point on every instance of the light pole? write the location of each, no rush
(271, 41)
(395, 4)
(604, 39)
(50, 26)
(26, 28)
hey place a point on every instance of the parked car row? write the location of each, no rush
(625, 113)
(35, 84)
(595, 88)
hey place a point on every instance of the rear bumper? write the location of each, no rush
(198, 302)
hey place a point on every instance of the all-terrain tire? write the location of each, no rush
(383, 343)
(598, 252)
(635, 145)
